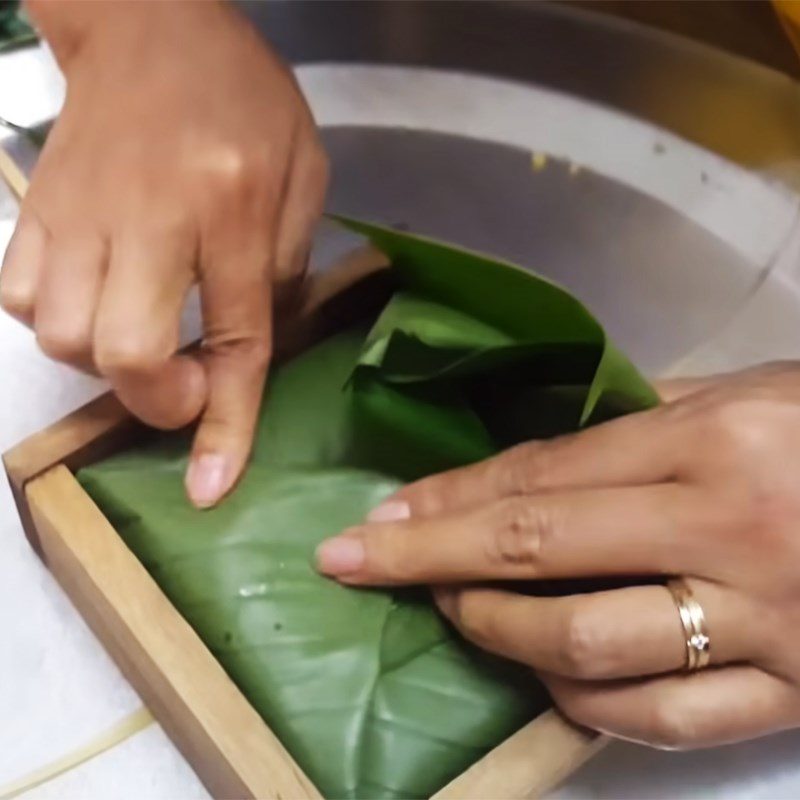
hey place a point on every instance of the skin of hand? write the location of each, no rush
(704, 486)
(185, 154)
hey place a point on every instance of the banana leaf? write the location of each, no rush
(15, 30)
(372, 693)
(473, 354)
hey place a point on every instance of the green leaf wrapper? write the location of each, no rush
(474, 354)
(370, 691)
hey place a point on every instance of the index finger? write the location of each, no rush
(650, 530)
(235, 291)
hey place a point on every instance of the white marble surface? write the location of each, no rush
(58, 689)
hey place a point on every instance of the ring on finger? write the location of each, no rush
(693, 622)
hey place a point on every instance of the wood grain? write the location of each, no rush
(99, 429)
(527, 764)
(233, 752)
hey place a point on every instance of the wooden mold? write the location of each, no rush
(230, 747)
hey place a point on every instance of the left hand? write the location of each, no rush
(706, 486)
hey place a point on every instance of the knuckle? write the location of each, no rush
(522, 468)
(15, 300)
(430, 495)
(579, 645)
(238, 172)
(129, 354)
(231, 166)
(522, 528)
(63, 344)
(743, 429)
(254, 351)
(749, 435)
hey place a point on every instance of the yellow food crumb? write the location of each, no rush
(539, 161)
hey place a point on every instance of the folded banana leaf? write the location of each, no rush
(473, 354)
(372, 693)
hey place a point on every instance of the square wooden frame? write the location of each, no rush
(230, 747)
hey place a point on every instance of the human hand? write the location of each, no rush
(704, 486)
(185, 153)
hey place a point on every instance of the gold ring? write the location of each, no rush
(693, 622)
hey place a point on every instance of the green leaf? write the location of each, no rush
(465, 324)
(369, 690)
(372, 693)
(15, 30)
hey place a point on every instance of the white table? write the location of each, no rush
(58, 689)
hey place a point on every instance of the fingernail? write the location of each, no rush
(390, 511)
(340, 556)
(207, 479)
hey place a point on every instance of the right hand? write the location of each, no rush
(704, 487)
(185, 153)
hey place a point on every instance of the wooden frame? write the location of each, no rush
(229, 746)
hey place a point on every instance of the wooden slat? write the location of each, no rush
(217, 730)
(12, 175)
(527, 764)
(96, 429)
